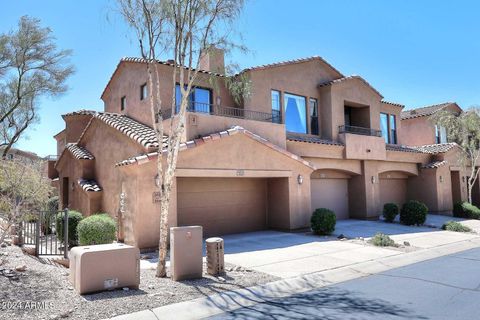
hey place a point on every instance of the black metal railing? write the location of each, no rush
(230, 112)
(360, 130)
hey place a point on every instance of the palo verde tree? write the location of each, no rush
(181, 30)
(464, 129)
(31, 68)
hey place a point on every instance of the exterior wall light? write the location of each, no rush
(157, 180)
(441, 178)
(463, 179)
(300, 179)
(374, 179)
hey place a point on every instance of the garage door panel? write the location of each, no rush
(331, 194)
(222, 205)
(393, 191)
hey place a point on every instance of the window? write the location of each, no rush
(123, 103)
(198, 101)
(295, 113)
(143, 91)
(276, 107)
(388, 126)
(313, 116)
(440, 134)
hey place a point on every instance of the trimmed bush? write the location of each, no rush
(466, 210)
(74, 217)
(390, 211)
(413, 213)
(323, 221)
(97, 229)
(382, 240)
(455, 226)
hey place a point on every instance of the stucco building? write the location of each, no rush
(307, 137)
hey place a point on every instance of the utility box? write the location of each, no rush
(186, 254)
(104, 267)
(215, 256)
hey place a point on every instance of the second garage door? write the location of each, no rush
(222, 205)
(393, 190)
(331, 194)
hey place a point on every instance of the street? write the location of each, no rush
(441, 288)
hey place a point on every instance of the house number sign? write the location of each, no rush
(156, 197)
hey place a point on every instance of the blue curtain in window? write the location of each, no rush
(295, 113)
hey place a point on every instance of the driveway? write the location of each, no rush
(441, 288)
(288, 255)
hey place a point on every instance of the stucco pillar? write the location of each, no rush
(364, 193)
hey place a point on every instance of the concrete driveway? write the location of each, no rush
(288, 255)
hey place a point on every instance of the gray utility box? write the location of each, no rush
(104, 267)
(186, 254)
(215, 256)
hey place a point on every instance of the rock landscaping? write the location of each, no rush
(26, 281)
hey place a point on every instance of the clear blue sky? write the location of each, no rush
(414, 52)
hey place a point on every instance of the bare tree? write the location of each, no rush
(184, 30)
(464, 129)
(23, 190)
(31, 67)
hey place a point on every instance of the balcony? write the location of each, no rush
(360, 131)
(230, 112)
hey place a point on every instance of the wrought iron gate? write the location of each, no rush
(43, 231)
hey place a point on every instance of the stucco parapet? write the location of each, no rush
(425, 111)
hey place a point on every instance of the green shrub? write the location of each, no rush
(390, 211)
(466, 210)
(382, 240)
(96, 229)
(455, 226)
(323, 221)
(52, 204)
(413, 212)
(74, 217)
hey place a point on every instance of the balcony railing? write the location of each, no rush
(205, 108)
(360, 131)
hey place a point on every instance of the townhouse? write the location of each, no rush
(306, 137)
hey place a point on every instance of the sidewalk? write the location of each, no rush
(444, 244)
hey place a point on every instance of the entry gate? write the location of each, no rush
(43, 231)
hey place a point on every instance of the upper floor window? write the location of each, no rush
(388, 126)
(440, 134)
(143, 91)
(276, 106)
(295, 113)
(199, 99)
(123, 103)
(313, 116)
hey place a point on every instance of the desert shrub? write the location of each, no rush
(390, 211)
(74, 218)
(382, 240)
(413, 213)
(323, 221)
(466, 210)
(52, 204)
(455, 226)
(96, 229)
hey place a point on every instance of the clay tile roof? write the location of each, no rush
(288, 62)
(311, 139)
(89, 185)
(434, 164)
(79, 152)
(140, 159)
(82, 112)
(167, 63)
(393, 104)
(343, 79)
(424, 111)
(428, 149)
(137, 131)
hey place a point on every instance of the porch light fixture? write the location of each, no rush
(157, 180)
(441, 178)
(463, 179)
(300, 179)
(374, 179)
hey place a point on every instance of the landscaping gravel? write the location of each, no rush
(45, 285)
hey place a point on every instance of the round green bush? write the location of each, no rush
(390, 211)
(74, 217)
(382, 240)
(323, 221)
(413, 213)
(96, 229)
(466, 210)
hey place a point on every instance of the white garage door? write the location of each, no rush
(331, 194)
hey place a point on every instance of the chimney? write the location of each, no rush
(212, 60)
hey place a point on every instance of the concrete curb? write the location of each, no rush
(228, 301)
